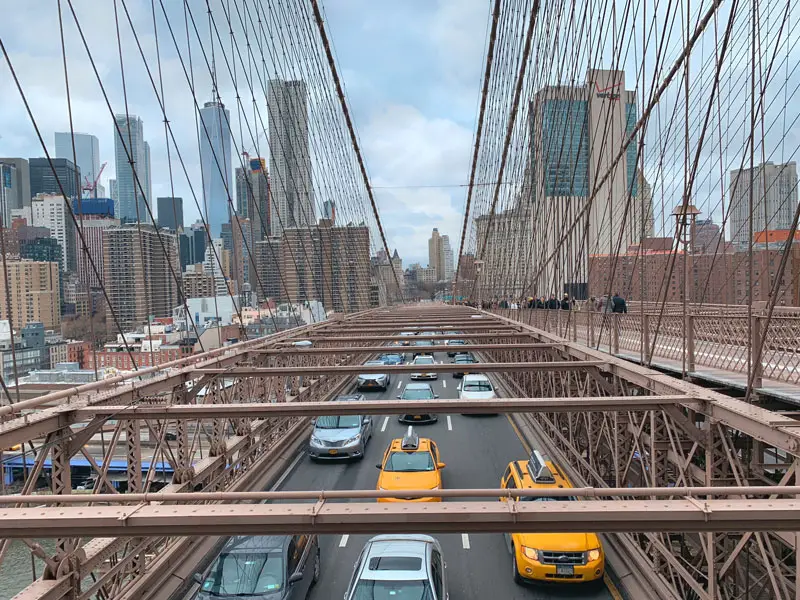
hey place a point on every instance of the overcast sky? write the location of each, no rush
(411, 69)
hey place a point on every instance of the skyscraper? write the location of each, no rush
(292, 199)
(49, 210)
(87, 153)
(774, 190)
(170, 213)
(95, 215)
(8, 192)
(45, 181)
(216, 163)
(137, 273)
(576, 133)
(33, 293)
(447, 258)
(436, 254)
(252, 196)
(113, 192)
(21, 182)
(131, 191)
(329, 211)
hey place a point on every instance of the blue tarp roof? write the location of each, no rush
(81, 461)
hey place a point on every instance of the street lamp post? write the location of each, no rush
(685, 217)
(478, 270)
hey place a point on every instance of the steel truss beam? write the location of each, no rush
(504, 334)
(286, 351)
(686, 515)
(567, 365)
(261, 410)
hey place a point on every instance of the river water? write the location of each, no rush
(15, 570)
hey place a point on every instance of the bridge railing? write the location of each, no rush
(717, 341)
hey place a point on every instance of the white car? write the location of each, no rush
(423, 360)
(476, 387)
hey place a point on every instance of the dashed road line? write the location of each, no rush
(444, 383)
(465, 540)
(449, 424)
(343, 541)
(385, 423)
(399, 383)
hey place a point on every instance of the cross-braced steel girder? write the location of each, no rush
(610, 429)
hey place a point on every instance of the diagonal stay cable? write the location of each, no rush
(340, 92)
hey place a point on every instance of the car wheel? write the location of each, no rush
(517, 577)
(317, 569)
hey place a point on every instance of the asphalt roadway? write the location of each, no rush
(476, 451)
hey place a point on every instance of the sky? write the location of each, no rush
(412, 72)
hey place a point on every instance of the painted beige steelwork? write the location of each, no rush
(687, 515)
(384, 407)
(223, 419)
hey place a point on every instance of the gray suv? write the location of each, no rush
(340, 436)
(399, 566)
(263, 567)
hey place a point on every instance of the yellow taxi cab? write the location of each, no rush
(553, 557)
(410, 463)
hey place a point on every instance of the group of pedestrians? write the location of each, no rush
(606, 303)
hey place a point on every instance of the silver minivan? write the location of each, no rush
(336, 437)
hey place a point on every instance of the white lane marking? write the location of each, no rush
(399, 383)
(444, 383)
(449, 424)
(385, 422)
(287, 472)
(464, 541)
(345, 537)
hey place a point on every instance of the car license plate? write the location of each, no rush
(565, 570)
(333, 452)
(417, 417)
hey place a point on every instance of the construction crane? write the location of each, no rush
(91, 186)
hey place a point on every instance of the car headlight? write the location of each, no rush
(315, 441)
(531, 553)
(353, 440)
(593, 555)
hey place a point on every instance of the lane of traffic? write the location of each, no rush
(476, 450)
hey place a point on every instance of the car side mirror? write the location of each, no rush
(295, 577)
(398, 396)
(198, 578)
(379, 466)
(366, 420)
(436, 395)
(441, 465)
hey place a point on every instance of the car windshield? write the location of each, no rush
(408, 462)
(374, 363)
(457, 342)
(423, 343)
(424, 360)
(464, 359)
(241, 574)
(478, 386)
(369, 589)
(338, 422)
(417, 394)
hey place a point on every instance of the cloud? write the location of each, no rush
(405, 148)
(411, 71)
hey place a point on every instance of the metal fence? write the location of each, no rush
(719, 341)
